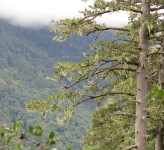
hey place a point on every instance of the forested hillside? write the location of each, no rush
(103, 82)
(26, 59)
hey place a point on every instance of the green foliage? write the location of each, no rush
(156, 107)
(16, 126)
(15, 138)
(154, 93)
(51, 135)
(108, 74)
(36, 130)
(26, 59)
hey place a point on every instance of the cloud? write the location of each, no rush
(117, 19)
(29, 13)
(38, 12)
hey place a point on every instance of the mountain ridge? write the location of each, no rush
(27, 57)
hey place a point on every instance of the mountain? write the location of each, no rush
(27, 57)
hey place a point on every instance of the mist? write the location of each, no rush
(38, 13)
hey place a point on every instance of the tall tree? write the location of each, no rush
(142, 83)
(117, 70)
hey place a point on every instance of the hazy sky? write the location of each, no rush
(31, 13)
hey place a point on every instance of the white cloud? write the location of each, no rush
(117, 19)
(41, 12)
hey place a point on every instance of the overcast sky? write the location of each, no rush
(32, 13)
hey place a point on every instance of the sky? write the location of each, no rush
(37, 13)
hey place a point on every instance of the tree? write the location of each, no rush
(116, 70)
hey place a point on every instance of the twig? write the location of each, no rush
(131, 147)
(124, 114)
(23, 137)
(102, 95)
(107, 28)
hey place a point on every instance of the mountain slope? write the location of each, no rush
(26, 59)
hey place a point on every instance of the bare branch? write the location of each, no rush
(103, 95)
(107, 28)
(108, 11)
(131, 147)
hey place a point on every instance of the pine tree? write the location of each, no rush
(117, 72)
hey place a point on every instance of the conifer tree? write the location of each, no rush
(117, 72)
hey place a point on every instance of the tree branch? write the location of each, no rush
(157, 8)
(124, 114)
(107, 28)
(132, 63)
(112, 93)
(135, 63)
(109, 11)
(109, 93)
(135, 10)
(127, 69)
(102, 95)
(131, 147)
(99, 70)
(156, 53)
(130, 41)
(23, 137)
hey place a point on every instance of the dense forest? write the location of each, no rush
(107, 84)
(27, 57)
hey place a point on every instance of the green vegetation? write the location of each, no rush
(119, 75)
(124, 75)
(27, 57)
(15, 139)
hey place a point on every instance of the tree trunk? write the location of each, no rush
(159, 145)
(159, 140)
(142, 89)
